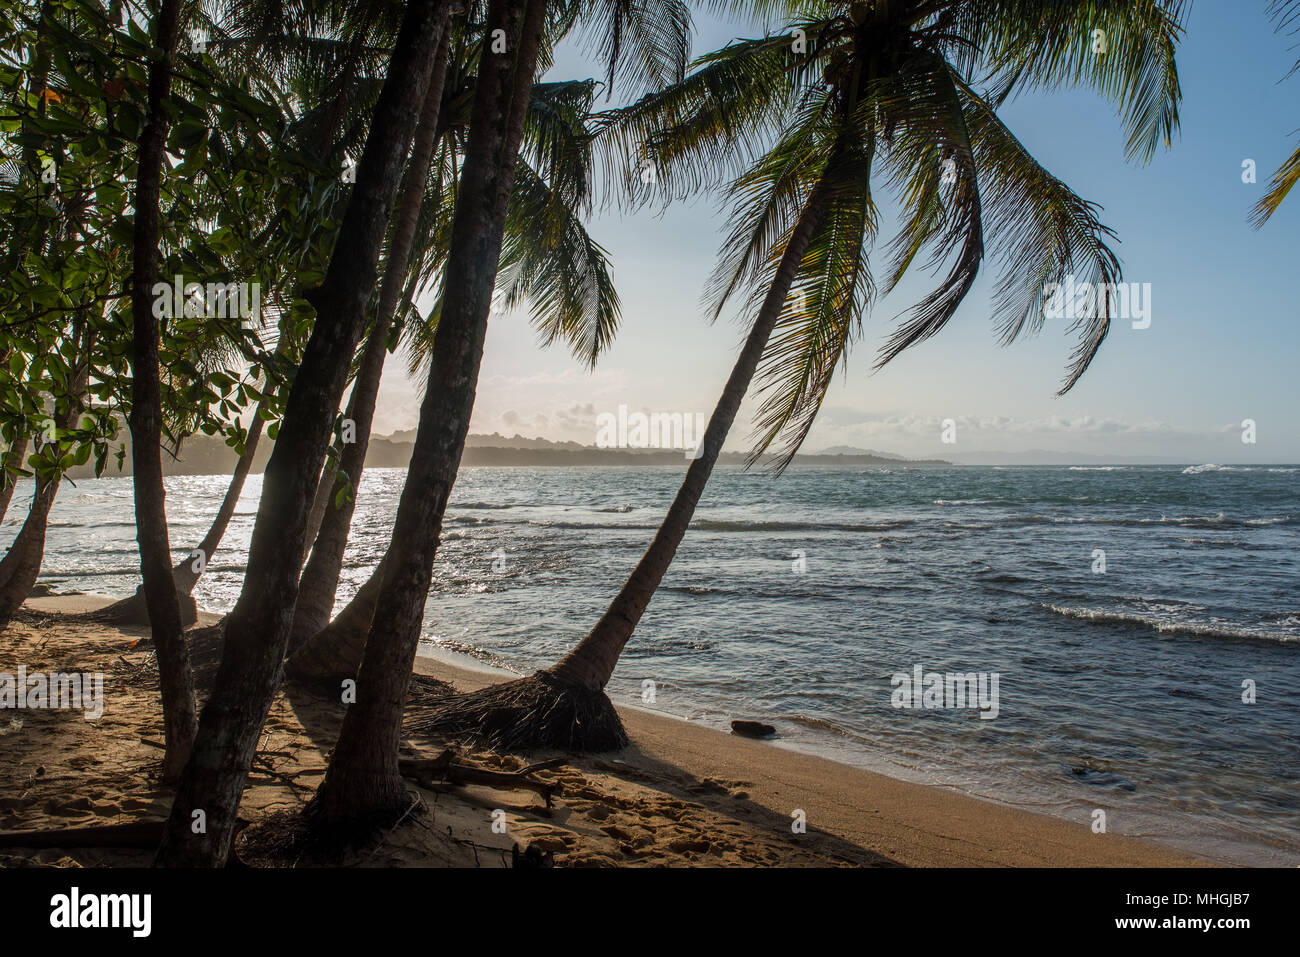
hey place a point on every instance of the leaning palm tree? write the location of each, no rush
(146, 419)
(362, 785)
(858, 88)
(562, 269)
(257, 630)
(549, 261)
(548, 258)
(1286, 14)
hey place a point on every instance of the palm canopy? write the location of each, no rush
(1286, 14)
(549, 261)
(331, 56)
(908, 89)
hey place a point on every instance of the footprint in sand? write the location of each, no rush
(689, 845)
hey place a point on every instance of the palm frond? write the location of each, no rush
(1121, 49)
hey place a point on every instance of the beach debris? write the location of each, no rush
(143, 835)
(752, 729)
(532, 857)
(541, 711)
(428, 771)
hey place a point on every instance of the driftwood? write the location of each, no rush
(443, 768)
(426, 772)
(144, 834)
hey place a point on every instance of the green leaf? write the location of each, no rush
(188, 135)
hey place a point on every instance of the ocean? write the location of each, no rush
(1142, 622)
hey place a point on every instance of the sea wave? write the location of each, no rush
(1218, 520)
(689, 589)
(818, 724)
(1211, 467)
(1188, 628)
(724, 525)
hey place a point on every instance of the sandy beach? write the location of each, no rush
(679, 795)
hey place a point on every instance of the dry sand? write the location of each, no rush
(680, 794)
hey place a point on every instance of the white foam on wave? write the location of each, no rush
(1165, 627)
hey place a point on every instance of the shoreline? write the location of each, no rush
(469, 672)
(916, 825)
(853, 815)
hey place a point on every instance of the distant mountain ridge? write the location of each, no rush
(209, 455)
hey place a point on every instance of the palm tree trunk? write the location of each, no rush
(592, 662)
(22, 563)
(362, 784)
(321, 501)
(336, 650)
(135, 609)
(15, 455)
(174, 674)
(565, 706)
(320, 579)
(176, 679)
(184, 573)
(257, 630)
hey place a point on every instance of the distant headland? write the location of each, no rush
(209, 455)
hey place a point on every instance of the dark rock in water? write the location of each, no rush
(752, 729)
(1100, 778)
(42, 590)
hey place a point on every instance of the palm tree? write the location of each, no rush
(320, 577)
(558, 267)
(146, 419)
(1286, 13)
(889, 84)
(257, 630)
(548, 258)
(362, 785)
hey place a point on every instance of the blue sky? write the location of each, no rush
(1221, 347)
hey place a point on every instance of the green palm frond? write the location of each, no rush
(643, 43)
(770, 10)
(557, 142)
(1041, 231)
(711, 126)
(1286, 14)
(1286, 176)
(1121, 49)
(550, 261)
(833, 289)
(933, 114)
(767, 200)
